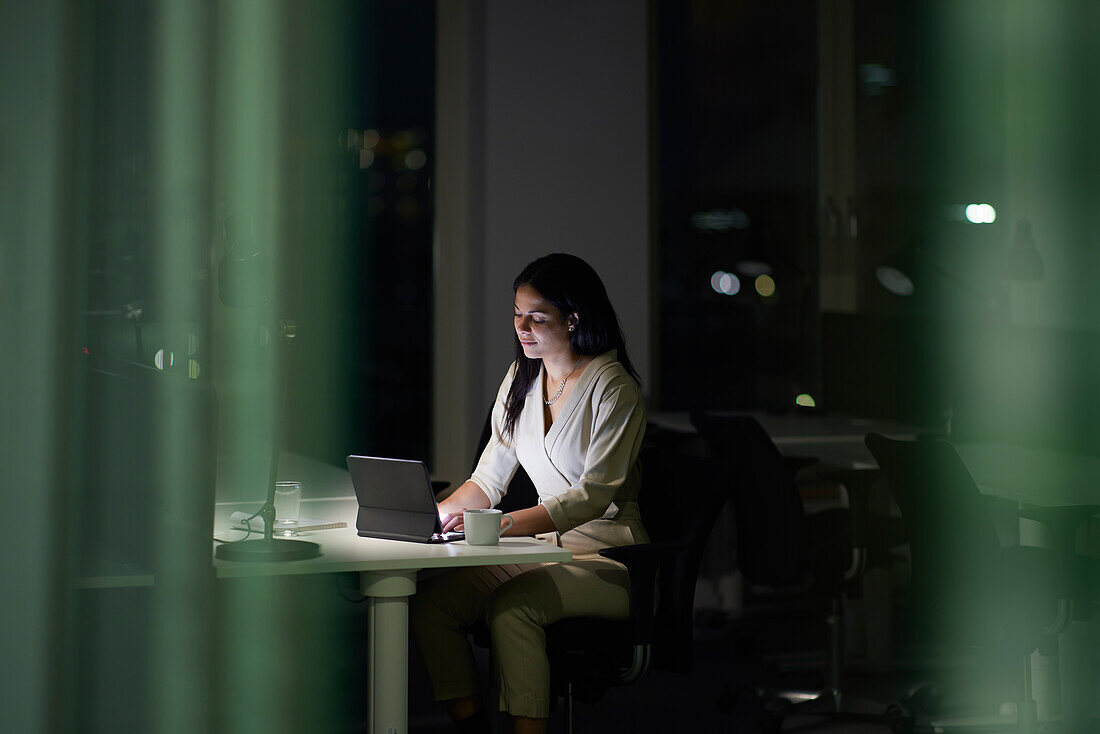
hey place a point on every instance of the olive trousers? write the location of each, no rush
(516, 602)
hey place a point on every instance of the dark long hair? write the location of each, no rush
(570, 285)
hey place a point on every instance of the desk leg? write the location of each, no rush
(388, 671)
(1076, 678)
(1045, 683)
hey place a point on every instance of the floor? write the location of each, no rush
(736, 655)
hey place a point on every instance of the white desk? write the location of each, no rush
(387, 574)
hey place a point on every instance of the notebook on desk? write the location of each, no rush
(396, 500)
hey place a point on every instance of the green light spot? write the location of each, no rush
(805, 400)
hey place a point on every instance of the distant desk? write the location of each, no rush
(1040, 477)
(835, 439)
(387, 574)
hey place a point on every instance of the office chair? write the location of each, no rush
(680, 499)
(966, 588)
(778, 545)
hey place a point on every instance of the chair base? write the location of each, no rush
(975, 724)
(832, 706)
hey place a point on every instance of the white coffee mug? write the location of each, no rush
(483, 527)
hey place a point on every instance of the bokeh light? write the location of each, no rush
(725, 283)
(163, 359)
(981, 213)
(765, 285)
(415, 159)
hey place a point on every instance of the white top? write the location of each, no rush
(585, 467)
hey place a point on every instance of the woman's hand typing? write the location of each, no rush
(468, 496)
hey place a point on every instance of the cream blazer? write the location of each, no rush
(584, 467)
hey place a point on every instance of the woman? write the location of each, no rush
(571, 413)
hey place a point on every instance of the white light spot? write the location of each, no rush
(366, 158)
(894, 280)
(193, 369)
(163, 359)
(731, 284)
(980, 213)
(415, 159)
(725, 283)
(716, 281)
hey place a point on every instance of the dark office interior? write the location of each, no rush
(853, 250)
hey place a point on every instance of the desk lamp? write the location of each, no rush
(240, 285)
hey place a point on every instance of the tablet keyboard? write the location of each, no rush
(447, 537)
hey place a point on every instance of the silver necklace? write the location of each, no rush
(562, 385)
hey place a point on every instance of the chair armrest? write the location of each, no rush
(642, 562)
(857, 483)
(1063, 522)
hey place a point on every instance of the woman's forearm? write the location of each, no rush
(469, 496)
(531, 521)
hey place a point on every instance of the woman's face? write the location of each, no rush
(540, 327)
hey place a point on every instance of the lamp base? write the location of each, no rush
(276, 549)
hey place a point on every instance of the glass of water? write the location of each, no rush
(288, 507)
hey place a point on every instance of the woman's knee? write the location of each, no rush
(432, 606)
(513, 606)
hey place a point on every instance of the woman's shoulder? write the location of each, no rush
(611, 375)
(506, 383)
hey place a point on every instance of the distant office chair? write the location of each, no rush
(966, 588)
(778, 545)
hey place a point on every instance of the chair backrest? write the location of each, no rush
(680, 499)
(769, 514)
(954, 550)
